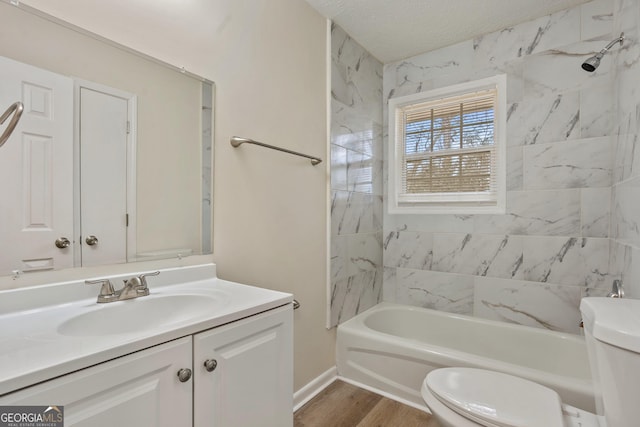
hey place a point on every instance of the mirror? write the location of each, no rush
(113, 152)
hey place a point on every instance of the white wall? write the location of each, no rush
(269, 207)
(268, 60)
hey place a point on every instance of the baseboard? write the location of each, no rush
(385, 394)
(314, 387)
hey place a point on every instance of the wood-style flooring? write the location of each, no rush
(344, 405)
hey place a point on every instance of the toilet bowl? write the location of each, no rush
(469, 397)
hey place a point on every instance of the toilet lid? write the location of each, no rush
(494, 399)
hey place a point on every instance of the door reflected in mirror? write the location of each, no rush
(112, 152)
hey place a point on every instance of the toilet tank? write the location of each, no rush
(612, 332)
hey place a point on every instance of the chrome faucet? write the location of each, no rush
(133, 288)
(616, 290)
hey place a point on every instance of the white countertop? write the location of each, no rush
(32, 348)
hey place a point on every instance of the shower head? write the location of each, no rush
(592, 63)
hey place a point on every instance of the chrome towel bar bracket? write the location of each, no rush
(236, 141)
(15, 109)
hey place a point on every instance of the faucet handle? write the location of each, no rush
(143, 278)
(107, 293)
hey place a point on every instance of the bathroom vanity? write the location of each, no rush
(197, 351)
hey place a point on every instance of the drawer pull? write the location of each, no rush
(184, 375)
(210, 364)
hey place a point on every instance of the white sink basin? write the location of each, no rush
(137, 315)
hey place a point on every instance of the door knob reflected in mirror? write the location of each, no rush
(62, 243)
(91, 240)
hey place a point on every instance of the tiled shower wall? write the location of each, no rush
(356, 178)
(625, 215)
(573, 209)
(534, 263)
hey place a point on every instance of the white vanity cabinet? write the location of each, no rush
(249, 384)
(140, 389)
(249, 380)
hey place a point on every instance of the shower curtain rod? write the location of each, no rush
(236, 141)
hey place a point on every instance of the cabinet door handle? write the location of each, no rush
(184, 375)
(210, 364)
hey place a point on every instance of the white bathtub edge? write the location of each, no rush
(313, 387)
(423, 408)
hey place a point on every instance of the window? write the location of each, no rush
(447, 149)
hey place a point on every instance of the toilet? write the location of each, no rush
(469, 397)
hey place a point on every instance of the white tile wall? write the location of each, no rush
(356, 178)
(573, 213)
(534, 263)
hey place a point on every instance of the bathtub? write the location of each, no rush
(391, 348)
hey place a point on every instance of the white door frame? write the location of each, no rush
(132, 141)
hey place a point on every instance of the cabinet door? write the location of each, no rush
(252, 385)
(141, 389)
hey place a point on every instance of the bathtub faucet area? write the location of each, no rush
(617, 291)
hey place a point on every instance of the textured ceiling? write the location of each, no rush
(395, 29)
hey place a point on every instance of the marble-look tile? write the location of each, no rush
(539, 212)
(389, 284)
(512, 68)
(538, 35)
(567, 260)
(515, 168)
(407, 88)
(596, 111)
(627, 91)
(627, 154)
(351, 212)
(352, 129)
(377, 213)
(527, 303)
(364, 252)
(596, 19)
(359, 172)
(408, 249)
(339, 257)
(581, 163)
(589, 292)
(354, 295)
(432, 64)
(356, 182)
(478, 254)
(429, 223)
(431, 289)
(356, 76)
(377, 179)
(559, 71)
(371, 289)
(596, 210)
(625, 216)
(338, 168)
(545, 119)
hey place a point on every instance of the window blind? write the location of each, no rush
(448, 146)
